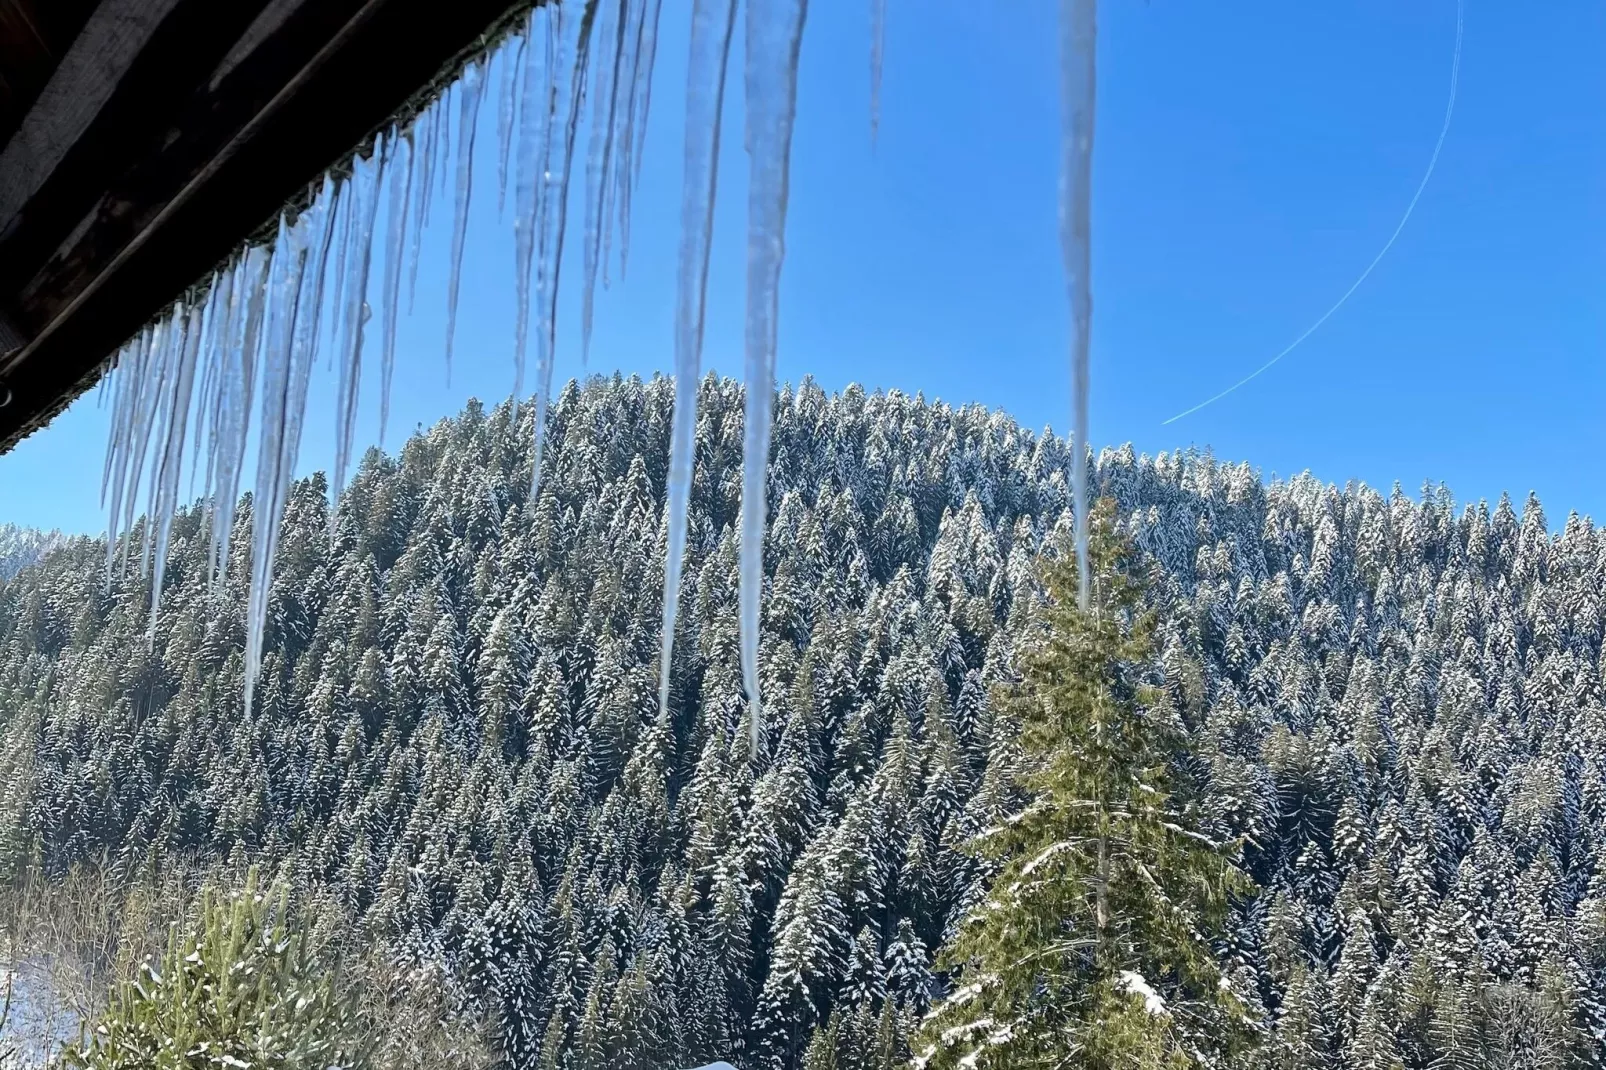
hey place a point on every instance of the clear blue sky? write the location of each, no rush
(1251, 159)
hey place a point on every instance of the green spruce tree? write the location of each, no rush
(1092, 948)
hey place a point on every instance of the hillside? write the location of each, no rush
(1399, 705)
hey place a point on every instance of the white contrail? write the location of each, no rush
(1449, 110)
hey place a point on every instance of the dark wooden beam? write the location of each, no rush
(34, 35)
(224, 114)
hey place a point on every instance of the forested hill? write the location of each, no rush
(1399, 705)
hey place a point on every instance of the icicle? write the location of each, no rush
(535, 121)
(294, 305)
(133, 380)
(507, 104)
(553, 220)
(422, 137)
(235, 397)
(345, 227)
(600, 159)
(401, 187)
(633, 132)
(218, 353)
(145, 420)
(164, 490)
(774, 36)
(878, 48)
(363, 195)
(467, 120)
(713, 22)
(216, 295)
(1078, 81)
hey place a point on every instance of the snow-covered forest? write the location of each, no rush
(456, 738)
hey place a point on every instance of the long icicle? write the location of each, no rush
(164, 491)
(535, 120)
(1078, 81)
(470, 92)
(401, 188)
(148, 418)
(219, 350)
(774, 39)
(600, 159)
(216, 306)
(633, 135)
(235, 401)
(550, 263)
(713, 22)
(289, 366)
(362, 191)
(422, 137)
(132, 379)
(506, 113)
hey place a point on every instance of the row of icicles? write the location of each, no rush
(186, 386)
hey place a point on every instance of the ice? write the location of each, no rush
(422, 136)
(634, 129)
(287, 365)
(206, 402)
(1078, 54)
(574, 43)
(165, 486)
(774, 36)
(600, 158)
(512, 57)
(535, 120)
(468, 118)
(362, 194)
(132, 379)
(235, 397)
(713, 22)
(401, 186)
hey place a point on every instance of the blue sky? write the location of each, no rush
(1251, 159)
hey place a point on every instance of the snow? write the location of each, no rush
(1134, 983)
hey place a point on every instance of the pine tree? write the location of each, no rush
(1089, 949)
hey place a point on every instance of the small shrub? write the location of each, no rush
(239, 988)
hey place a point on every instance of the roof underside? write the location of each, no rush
(142, 141)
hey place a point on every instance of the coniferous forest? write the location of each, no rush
(1394, 707)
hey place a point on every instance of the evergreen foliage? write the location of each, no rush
(1395, 705)
(1091, 948)
(239, 989)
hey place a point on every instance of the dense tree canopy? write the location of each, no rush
(1396, 707)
